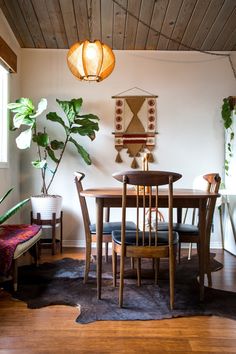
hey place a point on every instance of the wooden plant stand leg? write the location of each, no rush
(53, 233)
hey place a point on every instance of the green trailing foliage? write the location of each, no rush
(74, 124)
(4, 217)
(227, 112)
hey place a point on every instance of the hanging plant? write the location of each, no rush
(227, 112)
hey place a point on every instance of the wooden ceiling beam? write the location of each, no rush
(7, 56)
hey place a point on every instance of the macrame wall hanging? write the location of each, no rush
(135, 124)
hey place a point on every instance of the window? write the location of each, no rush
(3, 117)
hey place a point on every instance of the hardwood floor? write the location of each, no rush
(53, 329)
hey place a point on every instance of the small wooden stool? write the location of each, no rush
(53, 222)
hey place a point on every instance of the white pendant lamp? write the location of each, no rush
(91, 61)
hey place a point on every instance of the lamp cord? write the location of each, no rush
(173, 39)
(90, 11)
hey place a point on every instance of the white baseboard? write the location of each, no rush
(73, 243)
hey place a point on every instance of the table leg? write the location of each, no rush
(99, 231)
(202, 246)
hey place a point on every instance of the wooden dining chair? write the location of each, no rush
(90, 229)
(144, 242)
(189, 233)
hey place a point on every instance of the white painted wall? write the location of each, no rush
(190, 87)
(9, 177)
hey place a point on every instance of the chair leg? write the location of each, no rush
(132, 262)
(114, 265)
(208, 270)
(87, 262)
(106, 252)
(198, 252)
(37, 250)
(189, 251)
(34, 251)
(157, 267)
(15, 274)
(121, 280)
(209, 278)
(171, 276)
(179, 252)
(139, 271)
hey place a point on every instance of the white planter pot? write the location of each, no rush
(46, 205)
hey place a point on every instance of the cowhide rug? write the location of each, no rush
(61, 283)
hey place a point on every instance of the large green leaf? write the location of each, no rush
(57, 145)
(52, 155)
(19, 108)
(22, 105)
(77, 103)
(27, 102)
(22, 119)
(42, 106)
(14, 105)
(68, 108)
(86, 128)
(78, 130)
(81, 151)
(88, 116)
(12, 211)
(55, 118)
(4, 197)
(23, 108)
(84, 131)
(42, 139)
(87, 123)
(23, 141)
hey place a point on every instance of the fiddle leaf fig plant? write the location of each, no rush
(227, 112)
(50, 151)
(5, 216)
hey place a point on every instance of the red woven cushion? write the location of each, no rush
(10, 237)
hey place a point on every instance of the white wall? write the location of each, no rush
(9, 177)
(190, 88)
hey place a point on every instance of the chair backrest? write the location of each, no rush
(85, 214)
(213, 185)
(147, 184)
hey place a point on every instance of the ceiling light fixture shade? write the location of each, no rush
(91, 61)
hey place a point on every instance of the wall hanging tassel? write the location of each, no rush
(118, 158)
(134, 163)
(150, 157)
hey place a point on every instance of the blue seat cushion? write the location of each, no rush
(130, 239)
(108, 227)
(180, 228)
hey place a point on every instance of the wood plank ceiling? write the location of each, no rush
(207, 25)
